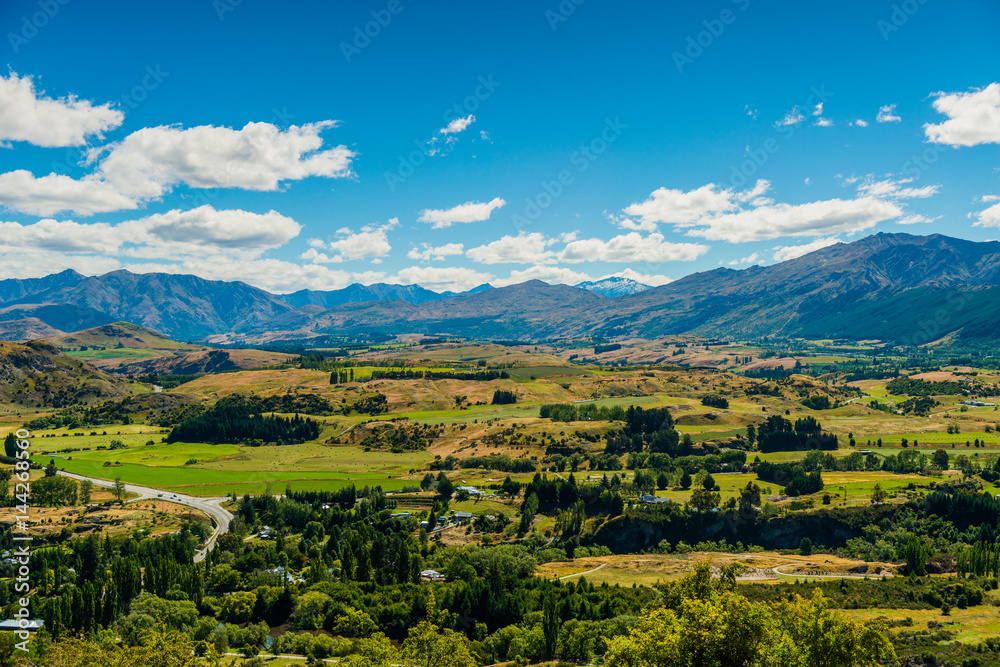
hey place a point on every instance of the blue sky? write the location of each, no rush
(458, 143)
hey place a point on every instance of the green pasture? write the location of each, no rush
(115, 353)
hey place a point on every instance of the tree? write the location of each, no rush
(10, 447)
(805, 547)
(373, 651)
(940, 459)
(444, 486)
(708, 482)
(50, 469)
(915, 553)
(879, 495)
(551, 624)
(686, 480)
(86, 489)
(427, 646)
(662, 481)
(118, 489)
(703, 499)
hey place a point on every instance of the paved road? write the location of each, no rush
(210, 506)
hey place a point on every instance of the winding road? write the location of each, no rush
(210, 506)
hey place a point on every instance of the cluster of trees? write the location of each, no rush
(372, 404)
(910, 387)
(400, 437)
(777, 434)
(504, 397)
(238, 419)
(792, 476)
(500, 462)
(715, 401)
(468, 376)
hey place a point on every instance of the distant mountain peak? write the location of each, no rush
(613, 286)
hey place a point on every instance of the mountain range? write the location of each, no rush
(900, 287)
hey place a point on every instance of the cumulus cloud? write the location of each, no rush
(372, 242)
(467, 212)
(793, 117)
(973, 117)
(27, 115)
(860, 123)
(785, 253)
(723, 214)
(631, 247)
(887, 114)
(679, 207)
(273, 275)
(197, 232)
(427, 252)
(21, 191)
(989, 217)
(442, 279)
(149, 163)
(521, 249)
(458, 125)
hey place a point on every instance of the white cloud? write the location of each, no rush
(833, 216)
(150, 162)
(793, 117)
(442, 279)
(887, 114)
(372, 242)
(915, 218)
(26, 115)
(315, 243)
(48, 195)
(973, 118)
(631, 247)
(204, 230)
(750, 112)
(824, 122)
(147, 163)
(436, 253)
(198, 232)
(860, 123)
(641, 226)
(891, 189)
(29, 263)
(749, 259)
(467, 212)
(678, 207)
(818, 110)
(485, 136)
(989, 218)
(720, 214)
(62, 237)
(988, 198)
(785, 253)
(521, 249)
(457, 125)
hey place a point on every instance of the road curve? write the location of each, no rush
(210, 506)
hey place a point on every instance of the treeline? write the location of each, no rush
(501, 462)
(911, 387)
(469, 376)
(239, 419)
